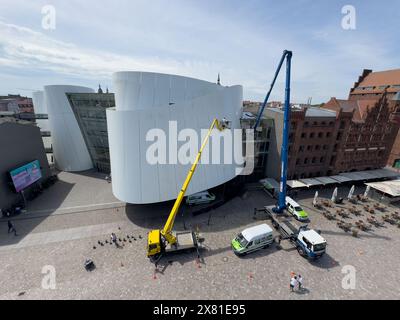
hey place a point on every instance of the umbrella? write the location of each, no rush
(351, 192)
(315, 198)
(367, 191)
(334, 195)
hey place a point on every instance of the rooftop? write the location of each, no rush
(313, 112)
(359, 107)
(381, 78)
(13, 120)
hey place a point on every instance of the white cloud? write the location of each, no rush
(190, 40)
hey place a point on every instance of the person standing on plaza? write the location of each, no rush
(300, 281)
(293, 283)
(114, 239)
(11, 228)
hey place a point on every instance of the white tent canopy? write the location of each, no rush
(343, 177)
(326, 180)
(311, 182)
(391, 187)
(340, 179)
(296, 184)
(353, 176)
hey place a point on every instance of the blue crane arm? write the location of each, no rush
(262, 107)
(286, 126)
(285, 143)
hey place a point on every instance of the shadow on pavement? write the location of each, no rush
(325, 262)
(360, 235)
(25, 223)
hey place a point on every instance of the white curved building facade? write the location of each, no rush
(145, 101)
(39, 106)
(69, 148)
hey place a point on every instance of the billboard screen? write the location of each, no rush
(24, 176)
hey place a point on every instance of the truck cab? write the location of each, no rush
(310, 244)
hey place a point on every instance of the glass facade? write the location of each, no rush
(90, 113)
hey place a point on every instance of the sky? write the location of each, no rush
(242, 40)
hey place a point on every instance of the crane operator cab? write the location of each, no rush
(154, 243)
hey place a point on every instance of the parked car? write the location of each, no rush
(296, 210)
(200, 198)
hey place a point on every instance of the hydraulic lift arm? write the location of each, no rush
(167, 230)
(155, 235)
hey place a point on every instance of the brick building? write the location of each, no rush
(366, 134)
(343, 135)
(310, 142)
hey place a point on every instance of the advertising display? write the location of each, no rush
(26, 175)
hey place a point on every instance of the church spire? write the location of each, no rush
(100, 89)
(219, 80)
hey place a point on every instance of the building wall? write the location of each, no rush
(274, 156)
(365, 143)
(20, 144)
(39, 106)
(69, 148)
(310, 141)
(90, 112)
(146, 101)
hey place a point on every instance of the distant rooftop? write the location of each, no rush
(318, 112)
(380, 78)
(13, 120)
(311, 112)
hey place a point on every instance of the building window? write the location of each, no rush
(305, 160)
(328, 134)
(312, 135)
(303, 135)
(322, 159)
(317, 147)
(309, 148)
(301, 148)
(314, 160)
(320, 135)
(298, 161)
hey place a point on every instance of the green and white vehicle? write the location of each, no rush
(252, 239)
(296, 210)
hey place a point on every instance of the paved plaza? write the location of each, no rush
(62, 227)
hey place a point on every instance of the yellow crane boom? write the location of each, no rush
(154, 239)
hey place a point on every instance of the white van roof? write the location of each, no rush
(250, 233)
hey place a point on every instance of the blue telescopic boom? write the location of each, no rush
(286, 126)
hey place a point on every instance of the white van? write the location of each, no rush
(296, 210)
(200, 198)
(252, 239)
